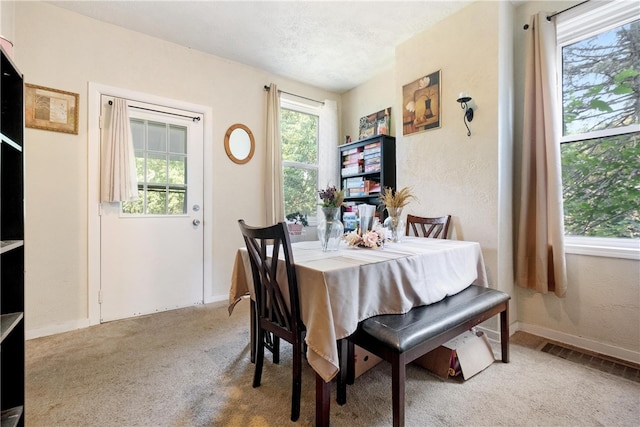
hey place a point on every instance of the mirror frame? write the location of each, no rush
(227, 143)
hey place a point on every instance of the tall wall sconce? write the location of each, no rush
(464, 99)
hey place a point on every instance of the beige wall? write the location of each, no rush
(59, 49)
(601, 309)
(472, 178)
(449, 172)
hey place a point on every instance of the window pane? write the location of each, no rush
(178, 139)
(156, 201)
(300, 187)
(177, 202)
(136, 207)
(157, 168)
(601, 180)
(299, 136)
(140, 165)
(600, 81)
(157, 137)
(177, 170)
(137, 132)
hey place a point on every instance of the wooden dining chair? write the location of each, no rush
(277, 315)
(437, 228)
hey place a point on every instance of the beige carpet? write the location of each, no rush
(190, 367)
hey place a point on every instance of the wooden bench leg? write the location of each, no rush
(398, 377)
(504, 333)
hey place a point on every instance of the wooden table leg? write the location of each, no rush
(343, 354)
(323, 395)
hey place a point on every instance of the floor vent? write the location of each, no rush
(594, 361)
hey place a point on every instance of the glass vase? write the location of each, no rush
(395, 224)
(330, 229)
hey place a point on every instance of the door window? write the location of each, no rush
(161, 164)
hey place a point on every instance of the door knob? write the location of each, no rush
(196, 222)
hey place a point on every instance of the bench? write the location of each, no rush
(402, 338)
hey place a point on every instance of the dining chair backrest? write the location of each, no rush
(437, 227)
(277, 305)
(272, 275)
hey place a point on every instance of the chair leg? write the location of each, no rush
(504, 333)
(276, 349)
(296, 388)
(398, 376)
(257, 375)
(253, 329)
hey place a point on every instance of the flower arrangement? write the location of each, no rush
(398, 199)
(370, 239)
(331, 197)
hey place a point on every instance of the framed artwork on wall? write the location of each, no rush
(375, 124)
(421, 104)
(50, 109)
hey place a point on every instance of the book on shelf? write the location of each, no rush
(372, 161)
(372, 145)
(372, 168)
(354, 156)
(353, 182)
(352, 170)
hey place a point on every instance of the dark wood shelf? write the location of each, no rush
(7, 245)
(11, 417)
(8, 322)
(354, 159)
(12, 324)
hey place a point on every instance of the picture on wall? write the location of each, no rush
(375, 124)
(421, 104)
(51, 109)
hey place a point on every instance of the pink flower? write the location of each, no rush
(370, 239)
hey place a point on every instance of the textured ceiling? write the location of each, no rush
(334, 45)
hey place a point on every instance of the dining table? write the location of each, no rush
(339, 289)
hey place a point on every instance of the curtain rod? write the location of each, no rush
(267, 88)
(194, 118)
(526, 26)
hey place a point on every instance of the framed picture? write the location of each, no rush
(375, 124)
(421, 104)
(51, 109)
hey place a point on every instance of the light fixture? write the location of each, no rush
(463, 99)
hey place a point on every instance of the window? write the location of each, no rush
(161, 163)
(299, 127)
(599, 61)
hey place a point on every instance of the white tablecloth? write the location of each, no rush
(339, 289)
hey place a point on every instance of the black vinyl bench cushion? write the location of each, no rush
(401, 332)
(401, 338)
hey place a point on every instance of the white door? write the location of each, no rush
(151, 253)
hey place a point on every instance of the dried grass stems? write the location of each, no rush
(397, 199)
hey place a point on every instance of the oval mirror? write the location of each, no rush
(239, 143)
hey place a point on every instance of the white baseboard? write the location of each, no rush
(580, 342)
(58, 328)
(216, 298)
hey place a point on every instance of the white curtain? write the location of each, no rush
(540, 260)
(119, 182)
(328, 143)
(274, 193)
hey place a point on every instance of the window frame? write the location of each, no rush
(289, 104)
(572, 26)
